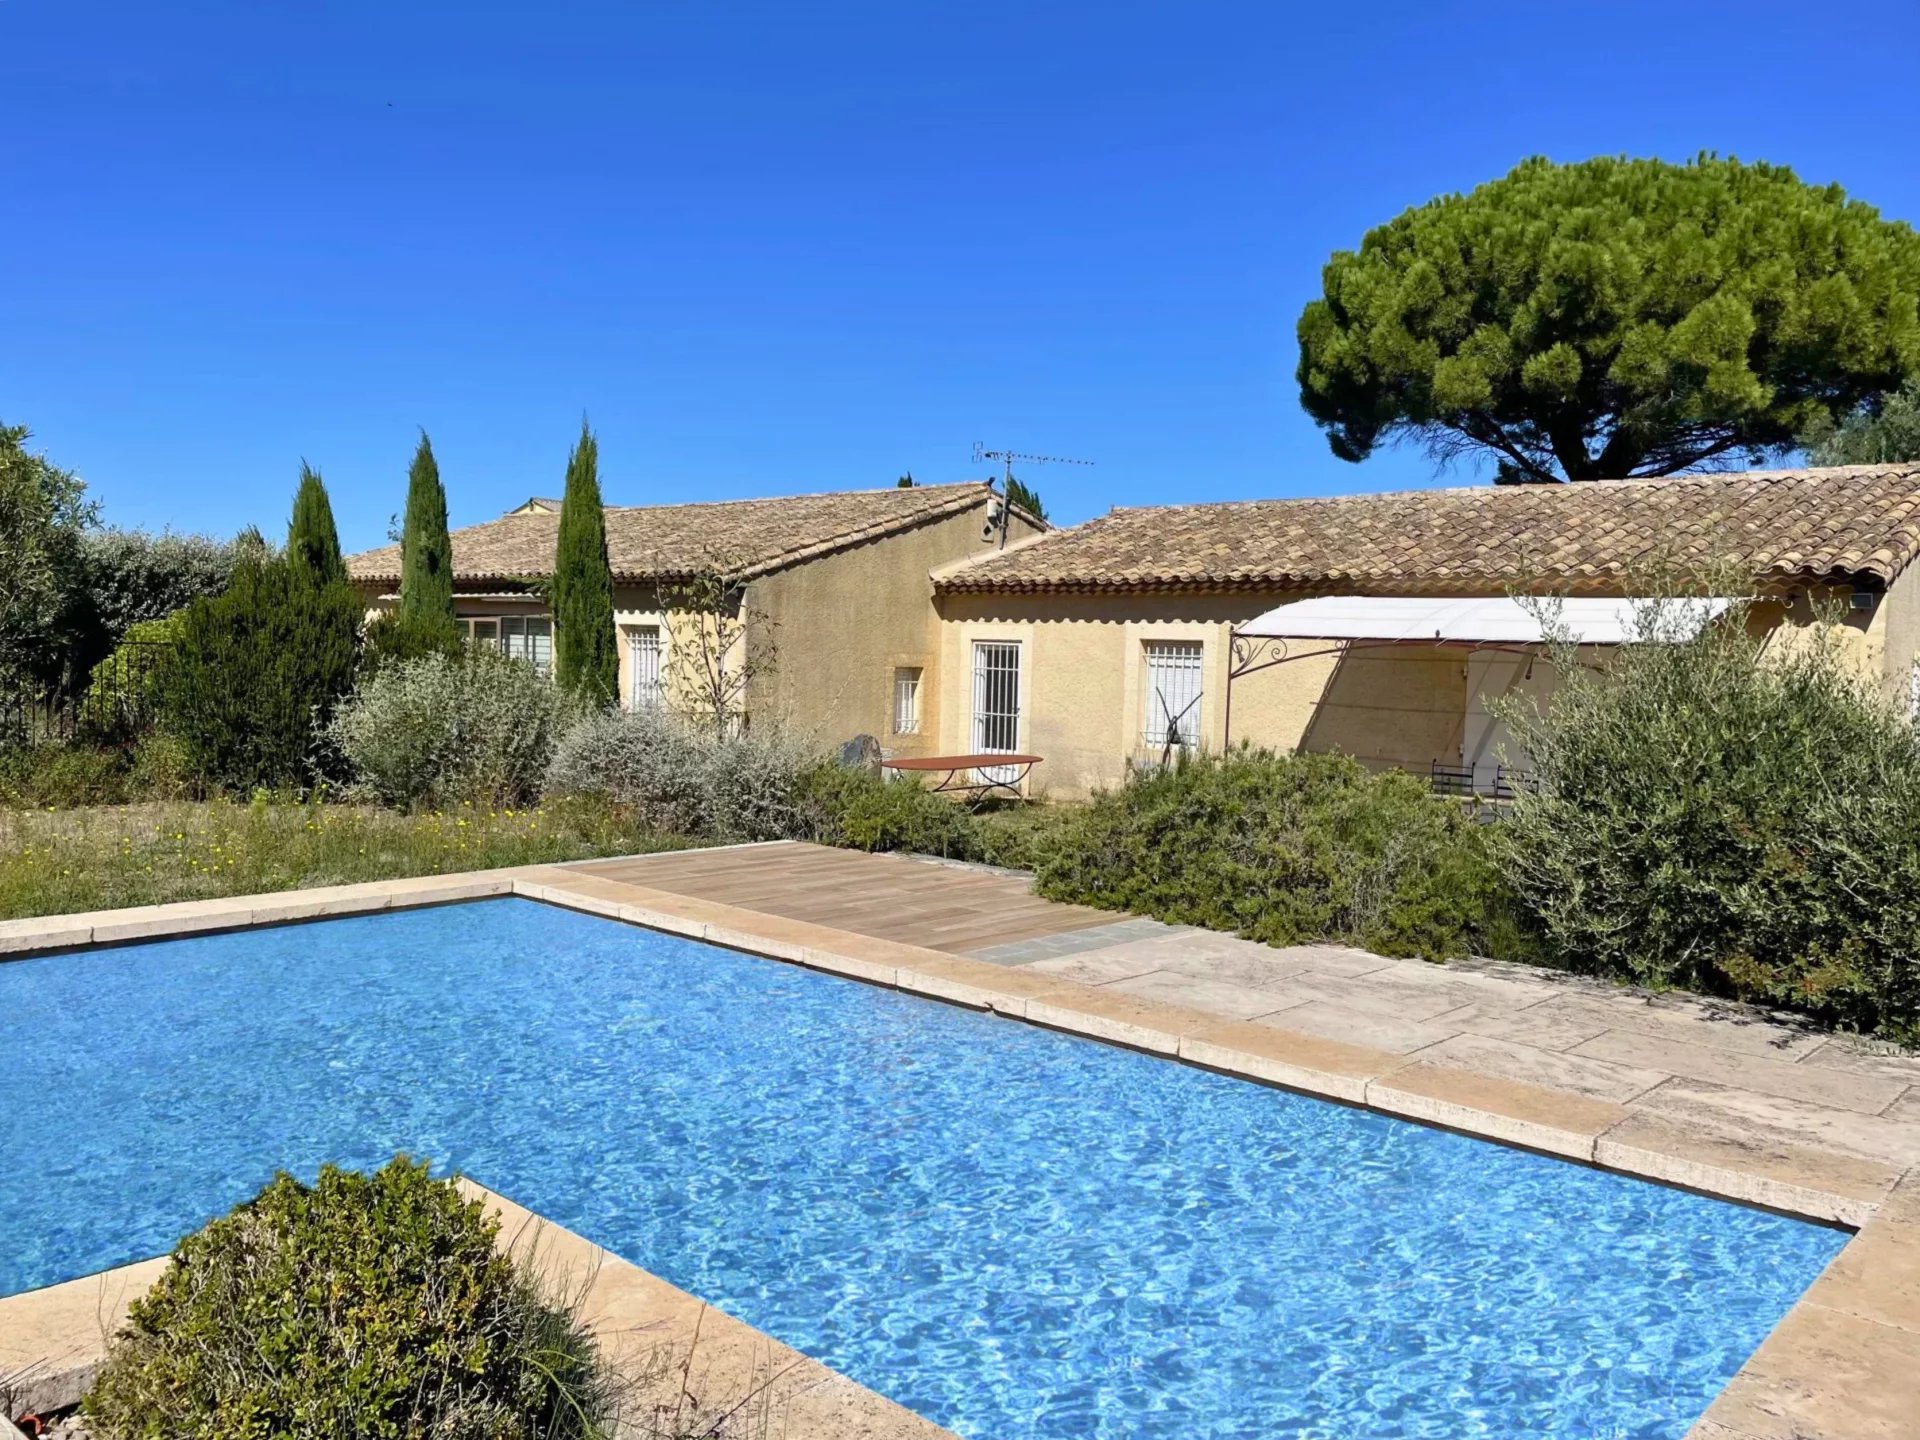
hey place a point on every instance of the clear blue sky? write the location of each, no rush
(775, 247)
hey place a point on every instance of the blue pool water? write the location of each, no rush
(1022, 1235)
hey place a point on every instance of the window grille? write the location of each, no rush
(996, 703)
(1170, 706)
(906, 700)
(649, 689)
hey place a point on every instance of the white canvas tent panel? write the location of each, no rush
(1498, 621)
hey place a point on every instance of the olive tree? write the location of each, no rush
(44, 518)
(1884, 431)
(1612, 318)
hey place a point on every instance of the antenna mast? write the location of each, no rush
(1006, 458)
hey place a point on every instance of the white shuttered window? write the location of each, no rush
(649, 688)
(1170, 704)
(996, 702)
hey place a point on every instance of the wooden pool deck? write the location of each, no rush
(953, 908)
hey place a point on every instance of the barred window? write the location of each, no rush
(1170, 703)
(906, 700)
(649, 688)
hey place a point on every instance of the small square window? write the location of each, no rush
(906, 700)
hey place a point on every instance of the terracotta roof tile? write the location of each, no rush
(667, 542)
(1781, 525)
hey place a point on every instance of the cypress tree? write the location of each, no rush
(312, 540)
(585, 660)
(426, 554)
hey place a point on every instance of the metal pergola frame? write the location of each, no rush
(1249, 654)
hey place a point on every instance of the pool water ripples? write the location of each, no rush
(1020, 1234)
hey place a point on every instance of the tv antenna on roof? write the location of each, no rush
(997, 518)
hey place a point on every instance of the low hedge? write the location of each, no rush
(861, 811)
(1284, 849)
(374, 1306)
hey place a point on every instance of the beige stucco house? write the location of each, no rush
(828, 612)
(1088, 646)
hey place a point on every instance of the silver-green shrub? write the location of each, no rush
(1733, 822)
(439, 730)
(679, 777)
(757, 787)
(644, 761)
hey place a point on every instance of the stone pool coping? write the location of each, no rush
(1844, 1362)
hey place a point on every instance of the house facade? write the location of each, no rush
(810, 612)
(1152, 629)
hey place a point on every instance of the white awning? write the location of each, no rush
(1502, 621)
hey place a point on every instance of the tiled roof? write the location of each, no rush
(669, 542)
(1779, 525)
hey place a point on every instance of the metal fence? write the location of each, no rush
(118, 702)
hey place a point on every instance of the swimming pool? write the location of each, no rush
(1020, 1234)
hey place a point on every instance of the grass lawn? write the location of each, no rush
(55, 862)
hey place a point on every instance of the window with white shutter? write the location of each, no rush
(649, 689)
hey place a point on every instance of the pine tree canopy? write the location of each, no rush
(312, 540)
(585, 659)
(426, 554)
(1612, 318)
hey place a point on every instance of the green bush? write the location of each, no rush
(1283, 849)
(860, 810)
(393, 636)
(124, 690)
(477, 727)
(255, 673)
(1726, 821)
(369, 1306)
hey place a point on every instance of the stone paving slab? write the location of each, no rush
(1748, 1162)
(1241, 1002)
(1497, 1108)
(1724, 1107)
(1551, 1069)
(1528, 1026)
(52, 1340)
(1815, 1084)
(1200, 955)
(1378, 1028)
(1688, 1021)
(1825, 1375)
